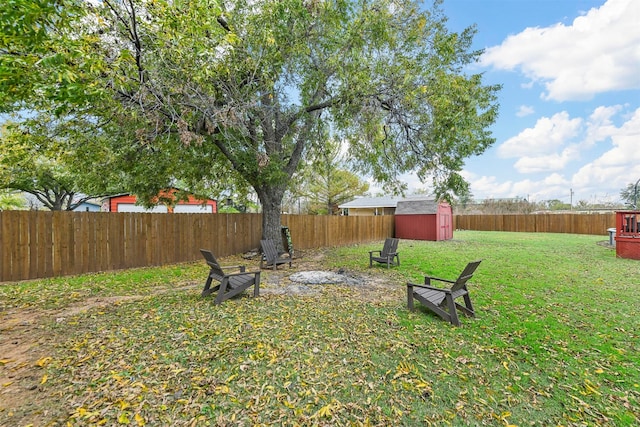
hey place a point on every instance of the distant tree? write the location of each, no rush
(463, 200)
(556, 205)
(583, 205)
(329, 191)
(61, 172)
(631, 195)
(425, 192)
(11, 200)
(502, 206)
(326, 181)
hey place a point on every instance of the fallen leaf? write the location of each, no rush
(44, 361)
(139, 420)
(123, 418)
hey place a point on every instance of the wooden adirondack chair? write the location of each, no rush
(271, 257)
(230, 284)
(442, 301)
(387, 255)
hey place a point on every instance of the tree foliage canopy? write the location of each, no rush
(236, 92)
(43, 157)
(43, 63)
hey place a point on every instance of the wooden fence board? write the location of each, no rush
(23, 254)
(5, 242)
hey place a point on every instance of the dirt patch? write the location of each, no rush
(26, 338)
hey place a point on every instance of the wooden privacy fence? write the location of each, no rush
(37, 244)
(595, 224)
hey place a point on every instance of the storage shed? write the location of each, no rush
(424, 220)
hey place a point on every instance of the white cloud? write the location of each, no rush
(554, 186)
(603, 177)
(545, 138)
(549, 163)
(600, 126)
(555, 142)
(618, 166)
(525, 110)
(599, 52)
(487, 187)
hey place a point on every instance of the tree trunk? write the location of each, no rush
(271, 200)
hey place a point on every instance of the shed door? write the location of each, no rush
(445, 226)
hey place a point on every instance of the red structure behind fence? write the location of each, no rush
(628, 234)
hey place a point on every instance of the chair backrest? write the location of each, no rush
(390, 246)
(466, 274)
(212, 262)
(269, 249)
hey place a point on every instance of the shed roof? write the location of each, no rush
(371, 202)
(415, 207)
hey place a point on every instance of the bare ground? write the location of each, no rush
(26, 339)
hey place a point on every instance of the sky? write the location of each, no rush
(569, 122)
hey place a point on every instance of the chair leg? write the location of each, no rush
(465, 310)
(209, 291)
(453, 314)
(468, 309)
(256, 287)
(207, 285)
(222, 292)
(410, 296)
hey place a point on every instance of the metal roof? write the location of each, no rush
(414, 207)
(377, 202)
(371, 202)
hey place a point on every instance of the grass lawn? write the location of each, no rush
(556, 342)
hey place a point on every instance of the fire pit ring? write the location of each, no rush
(322, 278)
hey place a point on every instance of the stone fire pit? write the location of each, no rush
(322, 278)
(308, 282)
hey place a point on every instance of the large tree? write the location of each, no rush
(238, 90)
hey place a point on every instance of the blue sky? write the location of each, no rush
(569, 124)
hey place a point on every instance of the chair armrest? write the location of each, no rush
(230, 267)
(438, 279)
(375, 252)
(242, 273)
(433, 288)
